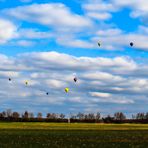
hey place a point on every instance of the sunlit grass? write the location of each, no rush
(64, 135)
(72, 126)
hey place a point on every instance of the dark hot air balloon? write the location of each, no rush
(75, 79)
(131, 44)
(99, 44)
(26, 82)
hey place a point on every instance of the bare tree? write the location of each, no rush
(72, 116)
(146, 115)
(62, 116)
(39, 115)
(9, 113)
(91, 116)
(80, 116)
(86, 117)
(30, 115)
(25, 115)
(4, 114)
(52, 116)
(119, 116)
(108, 119)
(133, 116)
(48, 115)
(1, 115)
(15, 115)
(140, 116)
(98, 116)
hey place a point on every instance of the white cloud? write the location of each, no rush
(56, 83)
(99, 16)
(114, 100)
(109, 32)
(50, 15)
(99, 6)
(98, 94)
(139, 8)
(24, 43)
(75, 43)
(78, 31)
(116, 39)
(99, 10)
(111, 81)
(7, 30)
(25, 1)
(33, 34)
(135, 4)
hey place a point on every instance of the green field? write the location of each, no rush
(61, 135)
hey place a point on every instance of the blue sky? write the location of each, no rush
(50, 42)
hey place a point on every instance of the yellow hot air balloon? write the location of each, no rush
(66, 89)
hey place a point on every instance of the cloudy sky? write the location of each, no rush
(48, 43)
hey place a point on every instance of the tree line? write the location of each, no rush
(118, 117)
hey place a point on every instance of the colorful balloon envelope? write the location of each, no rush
(66, 89)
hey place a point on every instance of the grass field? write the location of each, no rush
(61, 135)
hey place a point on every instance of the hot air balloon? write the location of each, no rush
(9, 79)
(66, 89)
(131, 44)
(26, 82)
(99, 44)
(75, 79)
(47, 93)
